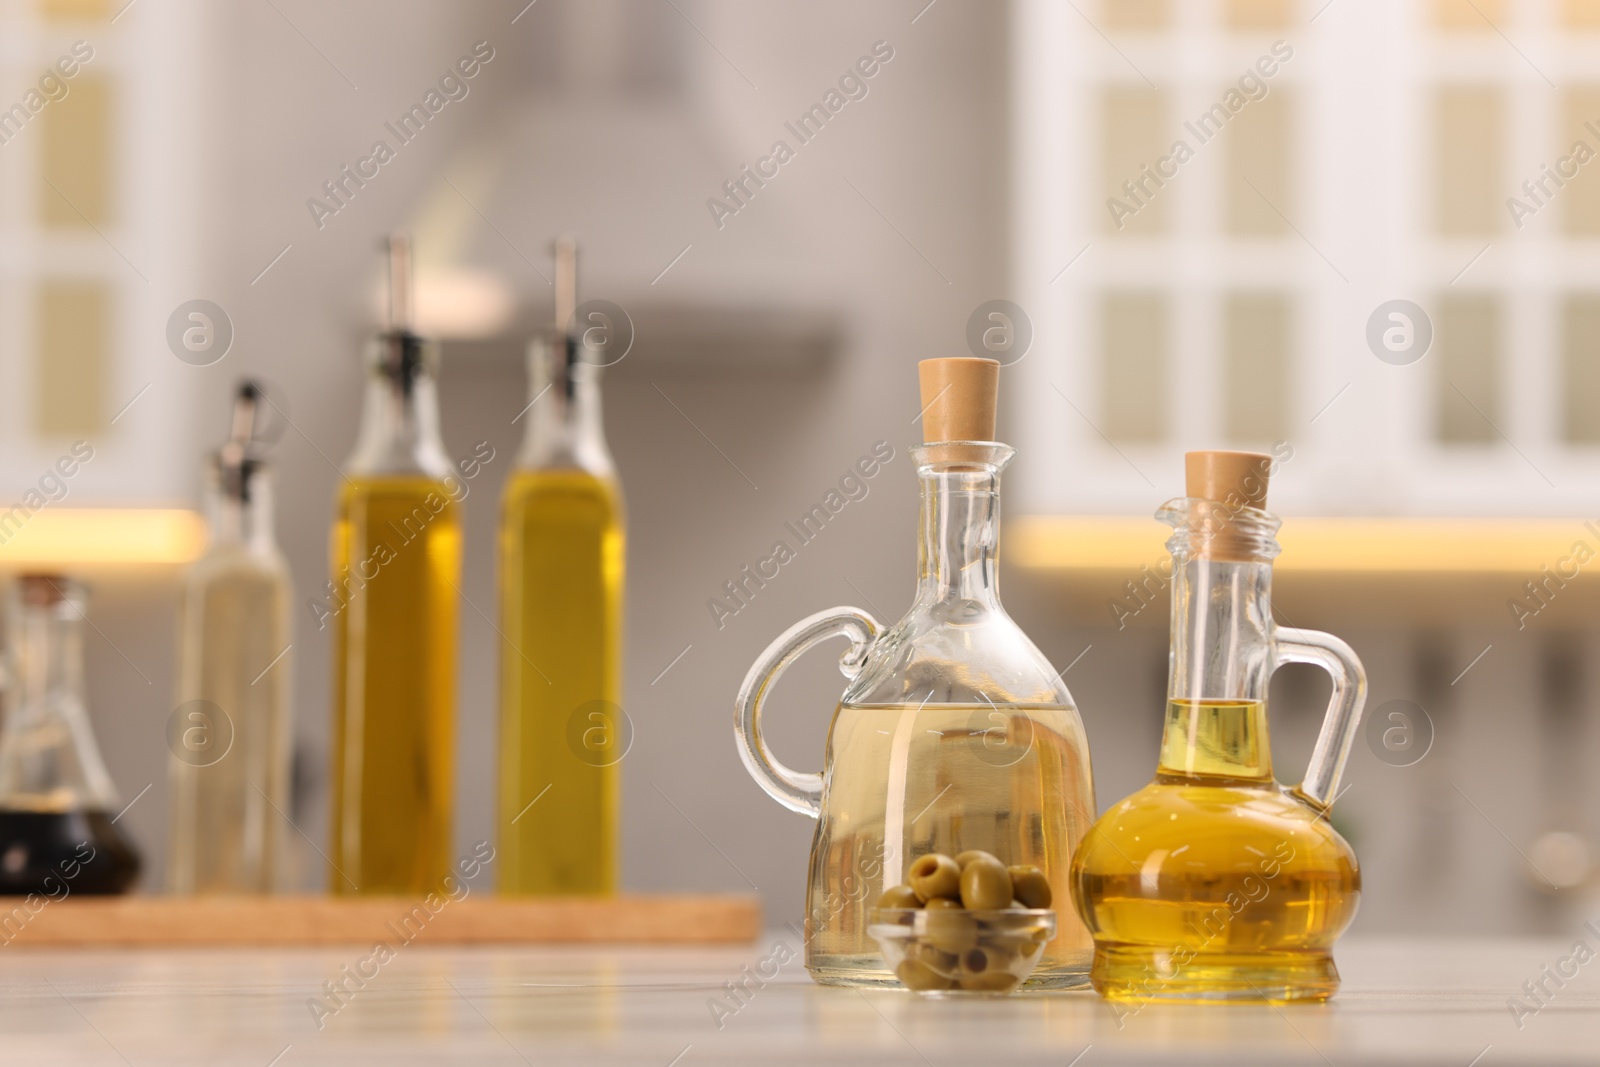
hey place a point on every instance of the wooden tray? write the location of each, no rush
(314, 920)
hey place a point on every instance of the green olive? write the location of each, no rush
(936, 903)
(935, 959)
(1016, 944)
(986, 959)
(1031, 887)
(964, 858)
(992, 982)
(935, 875)
(919, 976)
(949, 927)
(901, 896)
(985, 885)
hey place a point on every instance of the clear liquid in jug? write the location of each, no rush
(906, 780)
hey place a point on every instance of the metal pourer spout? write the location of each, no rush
(233, 458)
(564, 339)
(236, 461)
(243, 426)
(400, 291)
(566, 253)
(399, 355)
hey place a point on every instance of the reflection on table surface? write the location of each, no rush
(1412, 1001)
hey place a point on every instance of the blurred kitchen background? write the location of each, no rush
(775, 345)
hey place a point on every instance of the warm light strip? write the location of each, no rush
(58, 536)
(1320, 545)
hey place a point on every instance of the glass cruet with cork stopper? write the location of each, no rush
(58, 808)
(229, 769)
(1214, 881)
(954, 732)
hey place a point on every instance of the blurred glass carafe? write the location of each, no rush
(954, 732)
(393, 604)
(561, 571)
(229, 738)
(57, 803)
(1215, 882)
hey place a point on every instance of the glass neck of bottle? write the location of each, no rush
(239, 506)
(400, 412)
(959, 524)
(1221, 630)
(48, 757)
(1223, 653)
(565, 428)
(48, 646)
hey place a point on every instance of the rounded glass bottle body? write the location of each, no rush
(58, 833)
(1214, 881)
(955, 733)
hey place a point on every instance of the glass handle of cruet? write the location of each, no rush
(1321, 784)
(795, 790)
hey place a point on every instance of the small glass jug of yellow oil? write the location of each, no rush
(954, 732)
(1214, 881)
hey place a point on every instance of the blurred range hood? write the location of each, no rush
(610, 105)
(700, 339)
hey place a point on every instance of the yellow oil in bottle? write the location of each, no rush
(561, 568)
(1213, 880)
(903, 781)
(396, 564)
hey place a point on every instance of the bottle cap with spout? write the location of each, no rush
(399, 306)
(566, 254)
(236, 462)
(398, 353)
(553, 356)
(400, 414)
(564, 430)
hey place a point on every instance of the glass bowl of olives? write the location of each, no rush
(964, 925)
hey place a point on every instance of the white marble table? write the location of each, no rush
(1404, 1002)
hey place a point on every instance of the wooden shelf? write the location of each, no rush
(293, 920)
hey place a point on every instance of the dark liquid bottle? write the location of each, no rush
(82, 851)
(56, 834)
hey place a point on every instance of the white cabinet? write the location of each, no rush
(1239, 186)
(101, 155)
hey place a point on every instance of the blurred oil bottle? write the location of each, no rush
(561, 573)
(393, 607)
(58, 808)
(229, 769)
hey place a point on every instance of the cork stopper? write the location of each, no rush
(42, 590)
(1238, 479)
(1234, 480)
(958, 403)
